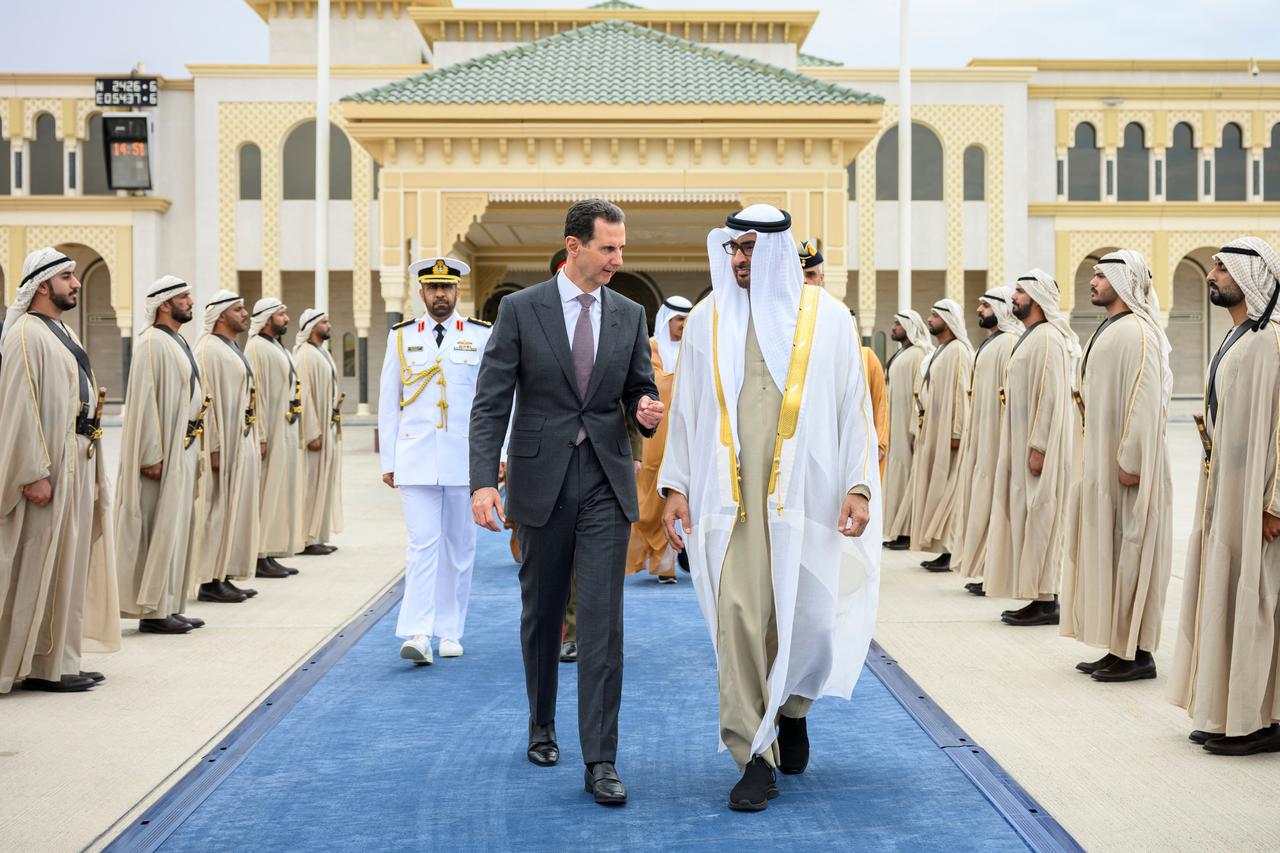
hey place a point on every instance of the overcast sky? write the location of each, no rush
(108, 36)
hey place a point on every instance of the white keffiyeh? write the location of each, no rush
(306, 323)
(668, 349)
(1000, 301)
(1043, 290)
(953, 315)
(263, 309)
(216, 307)
(40, 266)
(1255, 266)
(1130, 277)
(165, 288)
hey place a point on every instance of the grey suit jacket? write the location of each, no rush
(528, 354)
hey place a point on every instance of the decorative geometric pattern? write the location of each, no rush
(1144, 118)
(1093, 117)
(957, 126)
(1194, 118)
(11, 278)
(1242, 118)
(103, 239)
(32, 107)
(84, 108)
(361, 200)
(659, 69)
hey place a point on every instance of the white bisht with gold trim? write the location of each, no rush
(825, 585)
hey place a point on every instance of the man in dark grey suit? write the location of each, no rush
(576, 355)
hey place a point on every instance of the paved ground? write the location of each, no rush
(1110, 761)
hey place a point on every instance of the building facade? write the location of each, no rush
(469, 131)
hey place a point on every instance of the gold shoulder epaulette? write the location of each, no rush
(404, 323)
(479, 322)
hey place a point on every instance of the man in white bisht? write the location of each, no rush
(771, 471)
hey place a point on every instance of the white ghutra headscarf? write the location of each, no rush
(1130, 277)
(953, 315)
(215, 307)
(1255, 266)
(305, 324)
(1044, 291)
(40, 266)
(1000, 301)
(669, 350)
(263, 310)
(164, 289)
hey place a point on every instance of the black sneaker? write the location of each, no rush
(755, 789)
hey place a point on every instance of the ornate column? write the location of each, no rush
(272, 192)
(866, 192)
(361, 249)
(953, 198)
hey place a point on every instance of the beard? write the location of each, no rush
(278, 331)
(63, 301)
(1217, 296)
(180, 316)
(324, 336)
(1021, 311)
(988, 322)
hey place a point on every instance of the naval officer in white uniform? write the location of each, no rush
(424, 409)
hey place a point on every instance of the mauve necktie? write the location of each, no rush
(584, 356)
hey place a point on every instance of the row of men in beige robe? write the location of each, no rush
(195, 463)
(1040, 467)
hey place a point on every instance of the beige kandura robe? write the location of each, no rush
(57, 562)
(153, 518)
(980, 449)
(649, 548)
(944, 392)
(1025, 541)
(280, 494)
(226, 515)
(902, 378)
(322, 514)
(1119, 539)
(1227, 665)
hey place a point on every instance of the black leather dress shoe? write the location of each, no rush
(278, 565)
(1089, 667)
(266, 570)
(1035, 613)
(543, 750)
(1142, 666)
(1202, 737)
(316, 550)
(793, 744)
(602, 783)
(682, 560)
(219, 592)
(755, 789)
(902, 543)
(96, 677)
(940, 563)
(569, 652)
(245, 591)
(1263, 740)
(193, 621)
(975, 589)
(65, 684)
(167, 625)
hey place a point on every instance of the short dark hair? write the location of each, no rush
(580, 221)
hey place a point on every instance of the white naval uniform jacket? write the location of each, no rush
(425, 443)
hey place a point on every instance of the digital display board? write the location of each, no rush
(128, 150)
(126, 92)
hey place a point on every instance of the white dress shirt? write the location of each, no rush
(569, 293)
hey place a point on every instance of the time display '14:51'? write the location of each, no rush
(129, 149)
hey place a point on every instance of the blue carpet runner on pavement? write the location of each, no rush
(383, 756)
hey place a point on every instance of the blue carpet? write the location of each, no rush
(383, 756)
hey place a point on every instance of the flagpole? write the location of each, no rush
(321, 297)
(904, 157)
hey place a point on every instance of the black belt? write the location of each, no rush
(89, 427)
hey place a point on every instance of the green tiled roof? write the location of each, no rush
(613, 62)
(615, 4)
(808, 59)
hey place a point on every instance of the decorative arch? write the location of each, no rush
(94, 157)
(1181, 160)
(112, 243)
(1231, 165)
(1271, 167)
(1133, 163)
(975, 173)
(927, 163)
(1084, 164)
(299, 163)
(489, 310)
(249, 172)
(48, 163)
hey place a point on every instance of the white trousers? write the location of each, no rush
(437, 571)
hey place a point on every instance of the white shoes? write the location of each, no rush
(450, 649)
(418, 650)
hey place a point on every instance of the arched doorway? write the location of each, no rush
(94, 319)
(1193, 318)
(489, 310)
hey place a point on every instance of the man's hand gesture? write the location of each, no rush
(677, 509)
(649, 412)
(855, 512)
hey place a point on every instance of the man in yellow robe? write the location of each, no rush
(1026, 542)
(902, 379)
(1120, 515)
(159, 459)
(279, 404)
(1228, 651)
(944, 397)
(57, 558)
(649, 548)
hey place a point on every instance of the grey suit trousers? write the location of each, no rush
(587, 534)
